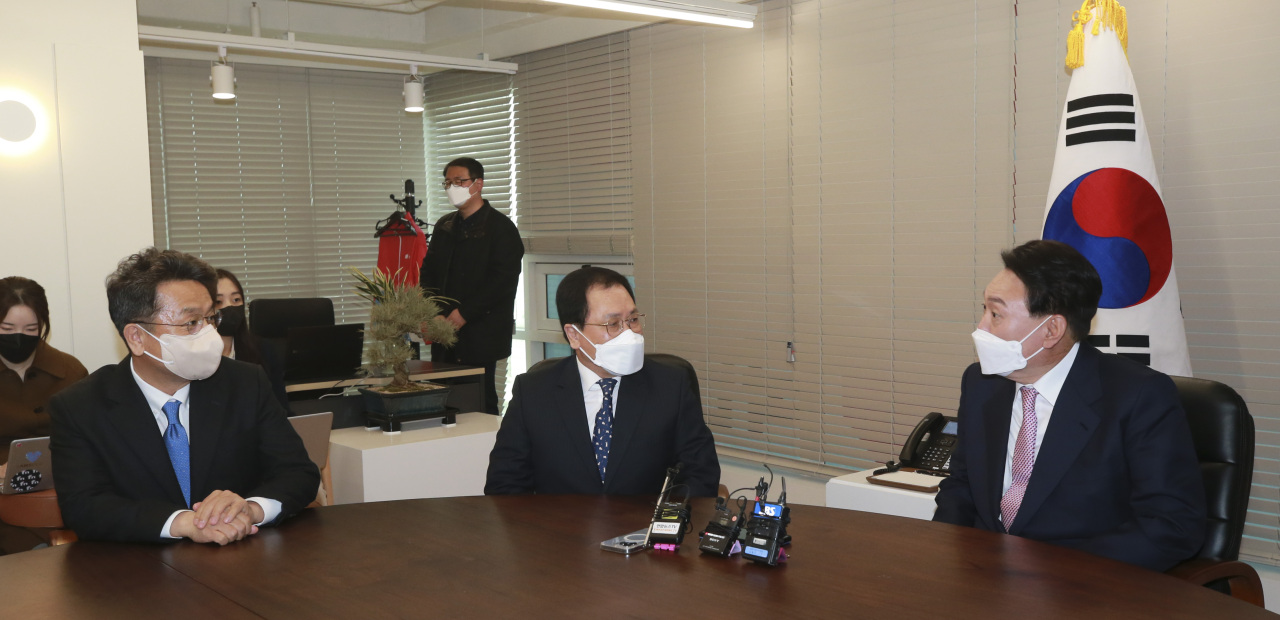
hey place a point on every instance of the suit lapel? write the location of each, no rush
(996, 414)
(573, 414)
(128, 411)
(626, 419)
(208, 410)
(1070, 427)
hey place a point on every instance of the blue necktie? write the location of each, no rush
(175, 439)
(604, 426)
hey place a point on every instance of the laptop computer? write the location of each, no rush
(30, 467)
(323, 352)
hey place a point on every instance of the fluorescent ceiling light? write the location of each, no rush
(705, 11)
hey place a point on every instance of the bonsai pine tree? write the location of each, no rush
(399, 309)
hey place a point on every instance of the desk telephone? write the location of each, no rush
(931, 444)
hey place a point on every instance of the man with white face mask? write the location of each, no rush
(602, 420)
(1060, 442)
(175, 441)
(474, 261)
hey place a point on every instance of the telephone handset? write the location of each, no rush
(931, 444)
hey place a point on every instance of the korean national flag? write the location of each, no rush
(1105, 199)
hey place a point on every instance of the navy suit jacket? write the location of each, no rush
(112, 470)
(544, 445)
(1116, 475)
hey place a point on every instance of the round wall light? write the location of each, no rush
(23, 123)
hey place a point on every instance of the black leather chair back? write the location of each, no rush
(1222, 431)
(666, 359)
(272, 318)
(675, 361)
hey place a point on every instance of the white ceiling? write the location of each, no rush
(458, 28)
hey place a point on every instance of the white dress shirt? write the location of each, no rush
(156, 401)
(1047, 388)
(593, 396)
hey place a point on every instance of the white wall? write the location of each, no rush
(802, 487)
(82, 201)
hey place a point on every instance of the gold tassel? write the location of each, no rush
(1104, 14)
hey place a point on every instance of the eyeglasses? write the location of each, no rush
(615, 326)
(456, 183)
(194, 326)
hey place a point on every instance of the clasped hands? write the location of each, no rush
(223, 517)
(453, 318)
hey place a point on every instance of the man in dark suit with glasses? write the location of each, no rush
(602, 420)
(175, 441)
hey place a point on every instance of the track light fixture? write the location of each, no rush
(413, 91)
(223, 76)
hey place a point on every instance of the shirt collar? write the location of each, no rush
(589, 377)
(1050, 385)
(156, 398)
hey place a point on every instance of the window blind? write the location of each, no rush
(573, 142)
(836, 178)
(363, 147)
(283, 185)
(470, 115)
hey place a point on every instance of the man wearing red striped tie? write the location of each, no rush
(1061, 443)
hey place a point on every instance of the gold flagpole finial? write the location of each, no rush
(1104, 13)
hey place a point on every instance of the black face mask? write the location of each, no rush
(232, 320)
(17, 348)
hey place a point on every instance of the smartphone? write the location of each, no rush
(626, 544)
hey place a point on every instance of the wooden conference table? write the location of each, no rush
(539, 556)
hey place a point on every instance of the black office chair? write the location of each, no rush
(270, 320)
(1222, 431)
(666, 359)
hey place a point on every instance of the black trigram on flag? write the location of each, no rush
(1141, 342)
(1086, 113)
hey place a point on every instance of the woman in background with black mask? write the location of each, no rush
(32, 371)
(237, 342)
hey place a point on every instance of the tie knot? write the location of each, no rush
(1029, 400)
(606, 385)
(171, 410)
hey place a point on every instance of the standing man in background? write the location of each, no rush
(474, 260)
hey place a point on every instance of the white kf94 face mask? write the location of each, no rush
(192, 357)
(624, 355)
(999, 356)
(458, 196)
